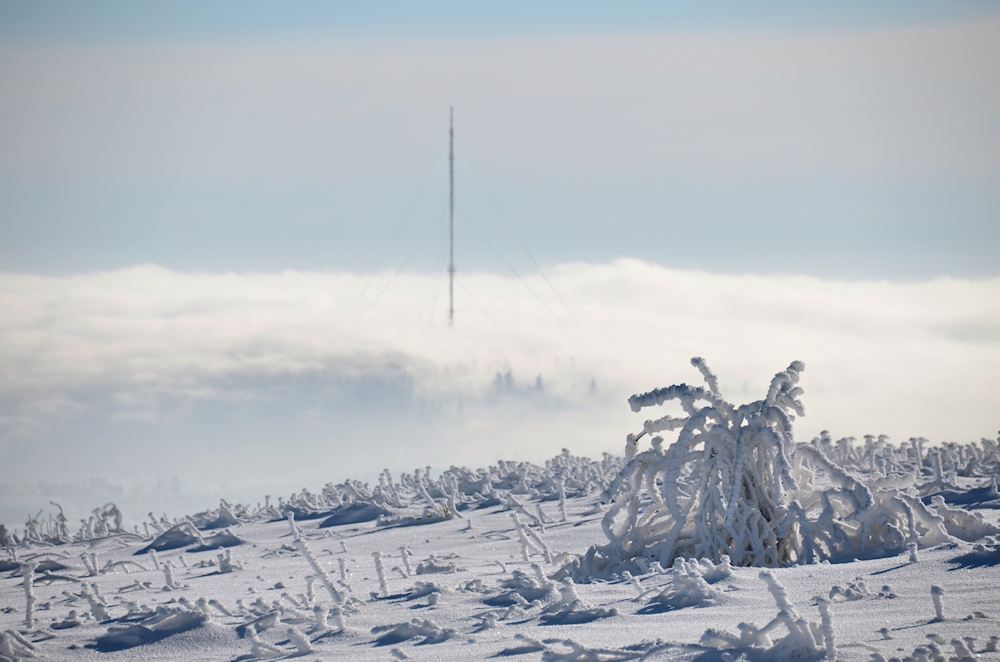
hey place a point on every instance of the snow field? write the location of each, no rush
(734, 542)
(473, 615)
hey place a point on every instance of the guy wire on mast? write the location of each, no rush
(451, 215)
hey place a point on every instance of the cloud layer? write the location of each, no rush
(239, 384)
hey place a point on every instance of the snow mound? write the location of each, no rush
(159, 626)
(390, 635)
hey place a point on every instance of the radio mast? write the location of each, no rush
(451, 215)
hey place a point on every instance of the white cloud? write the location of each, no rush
(240, 381)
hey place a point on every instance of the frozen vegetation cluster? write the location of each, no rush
(735, 485)
(413, 498)
(491, 562)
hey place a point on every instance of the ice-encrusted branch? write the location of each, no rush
(319, 570)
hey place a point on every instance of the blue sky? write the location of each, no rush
(223, 231)
(848, 140)
(103, 20)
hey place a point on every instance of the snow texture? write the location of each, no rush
(471, 564)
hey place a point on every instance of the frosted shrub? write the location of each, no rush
(717, 491)
(736, 484)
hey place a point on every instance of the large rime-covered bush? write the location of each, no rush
(736, 484)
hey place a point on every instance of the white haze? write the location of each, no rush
(167, 390)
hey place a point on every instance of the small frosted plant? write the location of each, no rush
(15, 647)
(525, 543)
(530, 541)
(28, 573)
(342, 564)
(310, 589)
(90, 562)
(260, 649)
(383, 582)
(936, 593)
(168, 577)
(805, 639)
(404, 552)
(827, 625)
(319, 570)
(226, 563)
(320, 613)
(299, 640)
(96, 608)
(338, 618)
(562, 500)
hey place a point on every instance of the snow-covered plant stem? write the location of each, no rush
(96, 608)
(318, 569)
(310, 589)
(827, 621)
(778, 592)
(338, 618)
(562, 499)
(90, 562)
(156, 561)
(567, 591)
(343, 569)
(299, 640)
(525, 543)
(168, 576)
(260, 650)
(404, 552)
(525, 535)
(319, 611)
(226, 564)
(28, 573)
(380, 570)
(15, 647)
(936, 593)
(541, 516)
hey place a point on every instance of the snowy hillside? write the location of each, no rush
(736, 541)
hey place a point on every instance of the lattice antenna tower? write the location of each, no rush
(451, 215)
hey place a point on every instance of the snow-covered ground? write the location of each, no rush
(466, 610)
(861, 551)
(465, 591)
